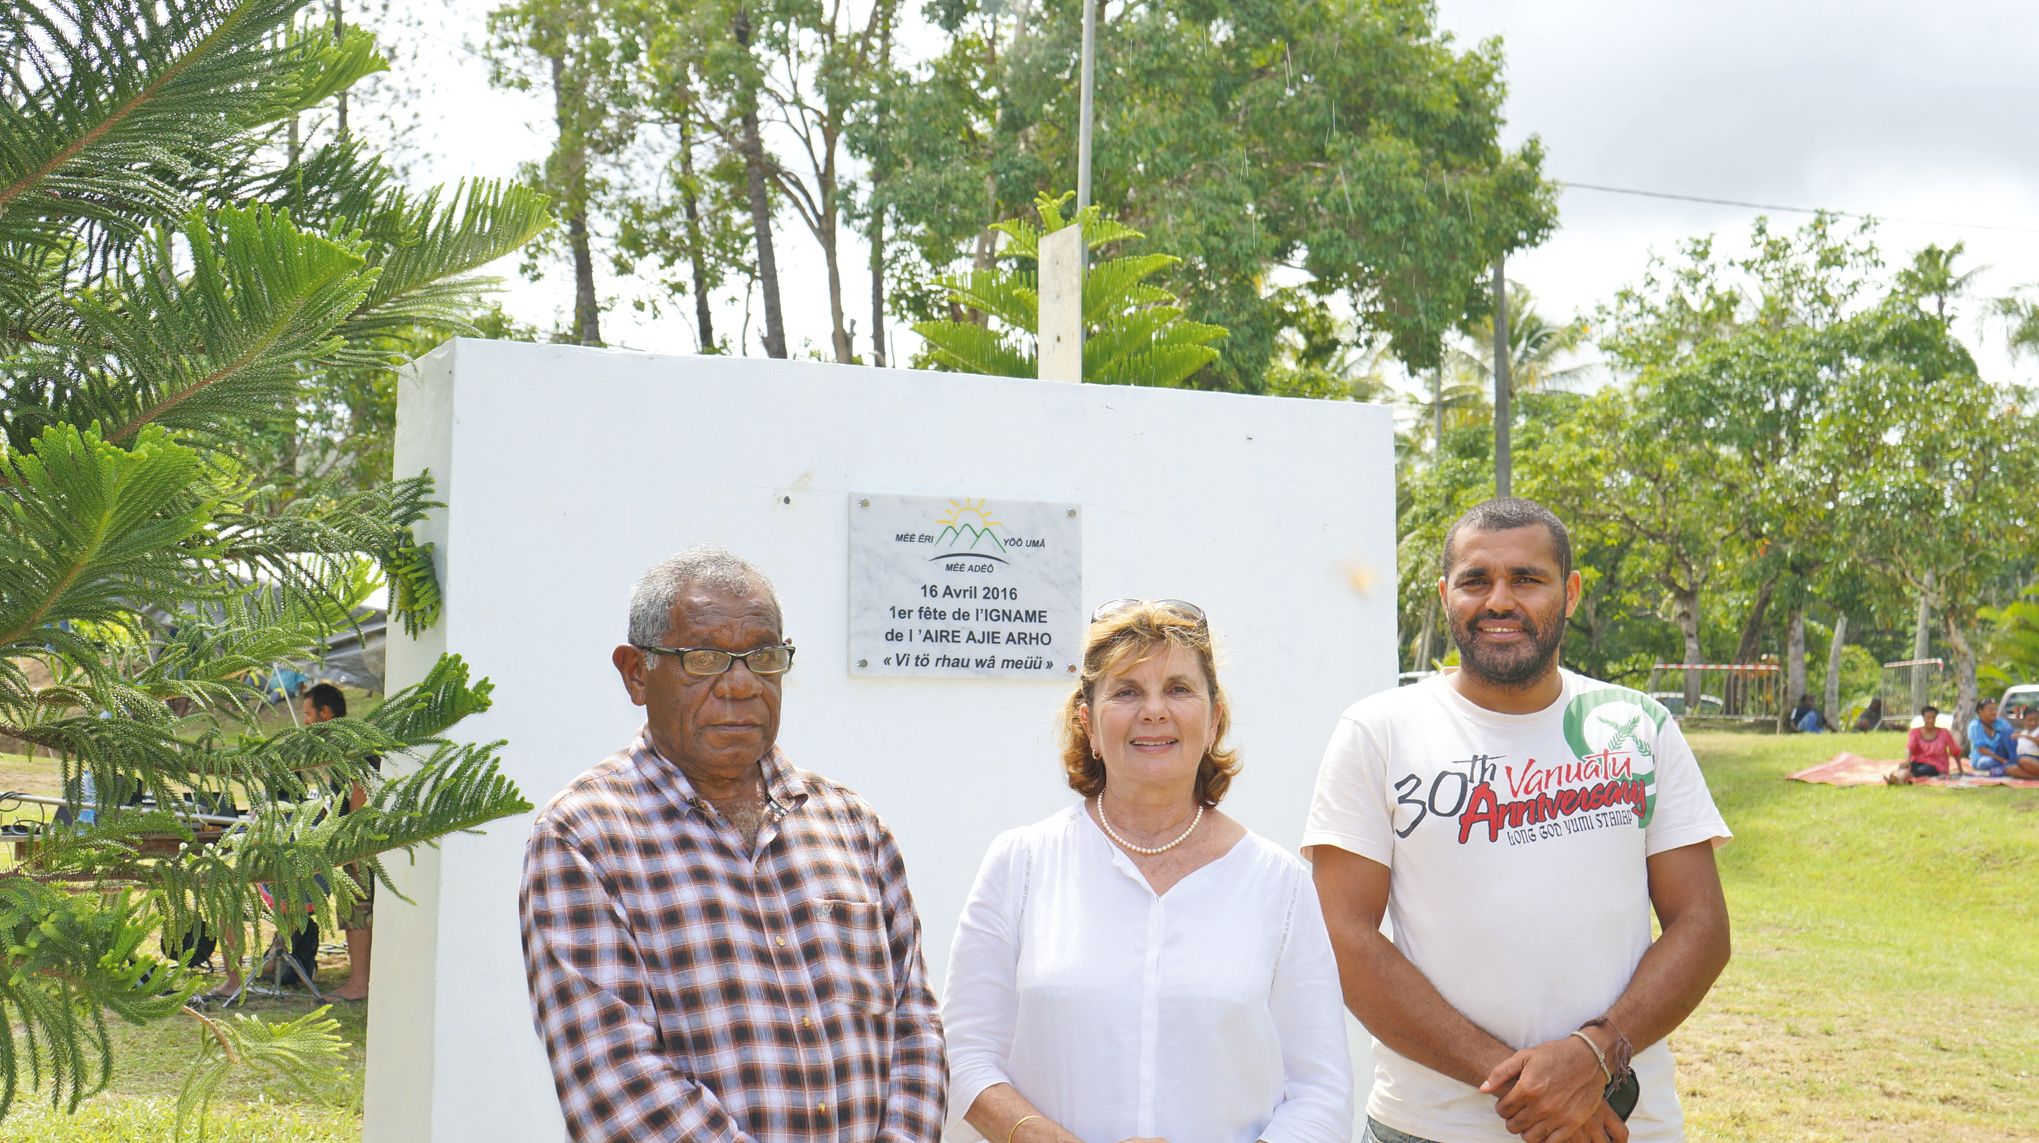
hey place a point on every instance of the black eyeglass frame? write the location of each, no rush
(729, 658)
(1181, 608)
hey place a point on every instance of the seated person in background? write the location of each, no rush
(1806, 719)
(2025, 763)
(1929, 751)
(1991, 743)
(1871, 716)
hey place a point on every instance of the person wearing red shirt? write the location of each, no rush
(1929, 750)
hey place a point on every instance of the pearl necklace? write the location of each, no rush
(1145, 851)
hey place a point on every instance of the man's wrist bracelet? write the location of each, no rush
(1623, 1051)
(1598, 1057)
(1024, 1120)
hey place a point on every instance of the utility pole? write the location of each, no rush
(1086, 107)
(1063, 255)
(1503, 476)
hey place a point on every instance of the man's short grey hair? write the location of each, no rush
(651, 601)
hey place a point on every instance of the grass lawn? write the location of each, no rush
(1883, 984)
(151, 1062)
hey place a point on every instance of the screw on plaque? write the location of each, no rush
(863, 662)
(865, 502)
(1071, 513)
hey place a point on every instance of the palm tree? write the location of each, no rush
(1446, 398)
(1539, 351)
(1932, 277)
(2019, 311)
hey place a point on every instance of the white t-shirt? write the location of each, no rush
(1210, 1014)
(1517, 849)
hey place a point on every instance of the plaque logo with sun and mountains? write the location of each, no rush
(964, 586)
(968, 531)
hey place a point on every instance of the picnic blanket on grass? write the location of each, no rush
(1847, 769)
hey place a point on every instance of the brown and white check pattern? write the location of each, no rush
(686, 989)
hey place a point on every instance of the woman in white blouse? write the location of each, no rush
(1139, 966)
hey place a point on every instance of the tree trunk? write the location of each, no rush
(1504, 469)
(1741, 685)
(1437, 413)
(1794, 660)
(697, 258)
(573, 170)
(1685, 612)
(1922, 645)
(755, 175)
(1832, 707)
(831, 256)
(1966, 691)
(984, 254)
(1750, 646)
(1426, 636)
(340, 109)
(878, 287)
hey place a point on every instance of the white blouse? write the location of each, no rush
(1210, 1013)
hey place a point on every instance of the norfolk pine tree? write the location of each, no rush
(169, 283)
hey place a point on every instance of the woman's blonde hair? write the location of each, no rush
(1117, 642)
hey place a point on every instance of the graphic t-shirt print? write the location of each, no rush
(1604, 777)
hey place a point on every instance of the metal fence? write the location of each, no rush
(1908, 684)
(1740, 692)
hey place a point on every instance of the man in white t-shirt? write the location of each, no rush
(1517, 823)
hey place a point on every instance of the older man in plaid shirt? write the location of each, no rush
(721, 946)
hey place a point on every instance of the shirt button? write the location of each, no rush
(807, 1021)
(822, 1106)
(782, 942)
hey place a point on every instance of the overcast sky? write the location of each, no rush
(1921, 114)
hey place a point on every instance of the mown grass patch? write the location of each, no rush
(1882, 985)
(150, 1067)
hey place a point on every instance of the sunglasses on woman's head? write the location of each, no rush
(1180, 608)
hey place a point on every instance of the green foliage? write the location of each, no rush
(1134, 332)
(1354, 145)
(1790, 429)
(2013, 648)
(292, 1052)
(178, 289)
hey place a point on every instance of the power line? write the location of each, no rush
(1792, 209)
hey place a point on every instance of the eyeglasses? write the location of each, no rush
(711, 661)
(1180, 608)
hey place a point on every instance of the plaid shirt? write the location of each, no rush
(687, 989)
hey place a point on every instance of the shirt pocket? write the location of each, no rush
(855, 960)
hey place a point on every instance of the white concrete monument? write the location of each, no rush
(566, 471)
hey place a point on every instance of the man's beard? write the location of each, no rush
(1509, 668)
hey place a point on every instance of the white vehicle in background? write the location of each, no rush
(1674, 701)
(2024, 694)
